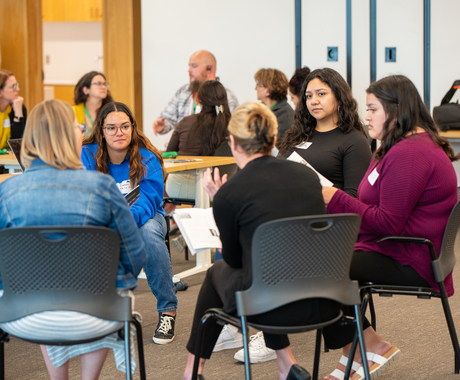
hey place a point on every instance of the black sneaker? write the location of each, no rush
(164, 332)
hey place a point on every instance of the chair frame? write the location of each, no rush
(260, 297)
(107, 304)
(441, 265)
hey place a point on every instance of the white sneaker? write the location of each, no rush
(228, 338)
(258, 351)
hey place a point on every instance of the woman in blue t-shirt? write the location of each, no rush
(117, 147)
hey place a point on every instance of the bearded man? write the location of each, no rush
(201, 68)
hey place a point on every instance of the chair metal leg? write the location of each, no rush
(2, 361)
(450, 325)
(247, 361)
(140, 348)
(359, 328)
(199, 344)
(317, 354)
(127, 351)
(372, 310)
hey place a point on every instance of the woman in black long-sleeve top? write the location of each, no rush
(265, 189)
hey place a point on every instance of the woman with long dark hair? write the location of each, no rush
(199, 135)
(90, 94)
(409, 189)
(118, 147)
(327, 131)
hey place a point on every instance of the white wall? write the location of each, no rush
(243, 35)
(248, 35)
(70, 50)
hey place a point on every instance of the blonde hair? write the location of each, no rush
(254, 127)
(50, 136)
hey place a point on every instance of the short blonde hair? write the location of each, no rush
(50, 136)
(254, 127)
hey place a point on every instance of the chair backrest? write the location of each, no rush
(446, 259)
(224, 151)
(61, 268)
(301, 257)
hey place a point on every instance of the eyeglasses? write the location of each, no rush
(259, 84)
(112, 130)
(14, 86)
(105, 84)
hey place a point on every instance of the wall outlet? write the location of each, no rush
(332, 53)
(390, 54)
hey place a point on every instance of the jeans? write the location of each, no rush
(158, 267)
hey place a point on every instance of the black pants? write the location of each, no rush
(213, 295)
(379, 269)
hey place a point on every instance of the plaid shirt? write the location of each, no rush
(181, 105)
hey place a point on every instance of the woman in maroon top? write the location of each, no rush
(409, 189)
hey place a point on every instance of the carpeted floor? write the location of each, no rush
(417, 327)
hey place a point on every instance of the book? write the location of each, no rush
(198, 227)
(184, 160)
(296, 157)
(133, 196)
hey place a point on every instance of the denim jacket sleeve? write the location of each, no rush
(132, 249)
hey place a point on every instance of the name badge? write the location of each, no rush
(6, 122)
(124, 187)
(373, 177)
(304, 145)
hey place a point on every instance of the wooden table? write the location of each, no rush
(10, 162)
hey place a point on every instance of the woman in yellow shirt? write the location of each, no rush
(90, 94)
(13, 113)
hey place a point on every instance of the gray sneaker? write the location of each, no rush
(258, 351)
(228, 338)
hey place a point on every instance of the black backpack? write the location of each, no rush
(447, 115)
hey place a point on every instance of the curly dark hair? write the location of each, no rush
(275, 81)
(296, 82)
(405, 111)
(304, 123)
(138, 140)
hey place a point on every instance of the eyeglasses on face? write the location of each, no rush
(112, 130)
(14, 86)
(105, 84)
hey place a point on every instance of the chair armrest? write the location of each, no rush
(407, 239)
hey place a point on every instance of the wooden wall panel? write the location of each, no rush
(22, 47)
(122, 52)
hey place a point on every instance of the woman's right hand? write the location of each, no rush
(211, 185)
(16, 104)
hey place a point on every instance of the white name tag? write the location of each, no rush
(373, 177)
(6, 122)
(124, 187)
(304, 145)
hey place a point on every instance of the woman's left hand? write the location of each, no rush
(212, 186)
(328, 193)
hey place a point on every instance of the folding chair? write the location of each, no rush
(64, 268)
(442, 266)
(295, 259)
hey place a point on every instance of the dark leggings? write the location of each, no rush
(379, 269)
(213, 291)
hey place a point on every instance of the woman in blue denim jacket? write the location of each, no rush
(117, 147)
(51, 152)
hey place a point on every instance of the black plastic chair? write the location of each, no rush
(442, 266)
(64, 268)
(295, 259)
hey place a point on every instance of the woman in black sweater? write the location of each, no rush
(253, 196)
(327, 131)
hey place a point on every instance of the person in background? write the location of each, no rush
(409, 189)
(250, 198)
(272, 87)
(296, 82)
(54, 174)
(199, 135)
(13, 112)
(118, 147)
(185, 102)
(90, 94)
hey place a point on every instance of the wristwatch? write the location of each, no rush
(18, 118)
